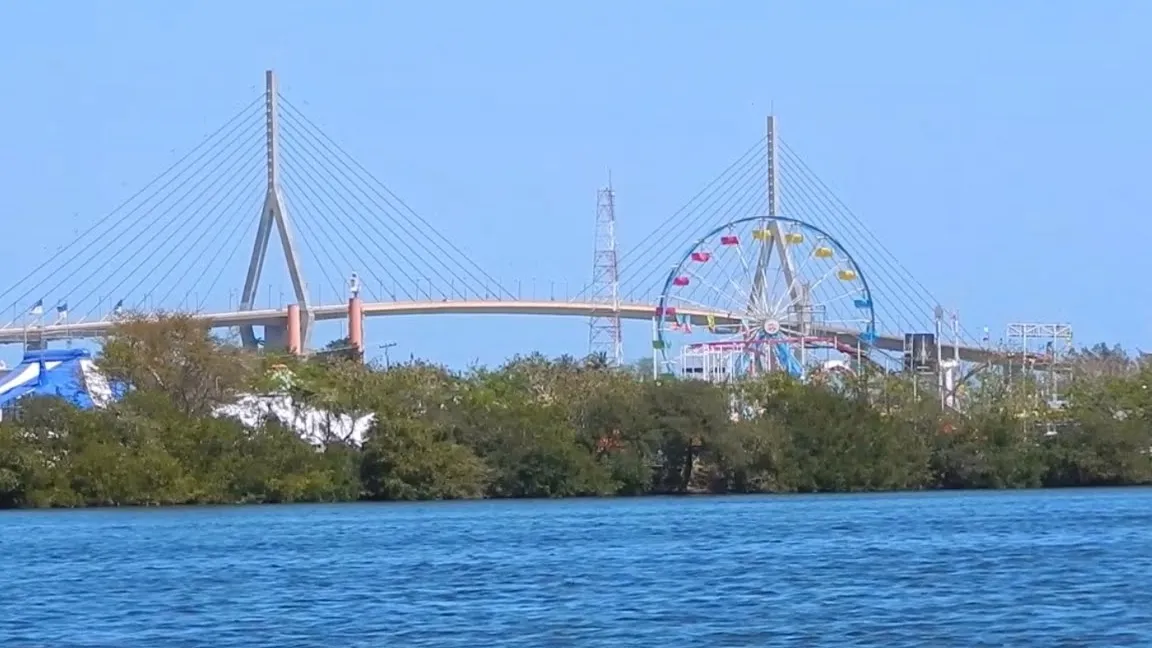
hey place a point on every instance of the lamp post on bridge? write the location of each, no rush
(355, 315)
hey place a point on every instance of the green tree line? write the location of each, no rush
(536, 427)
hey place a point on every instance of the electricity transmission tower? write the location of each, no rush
(604, 336)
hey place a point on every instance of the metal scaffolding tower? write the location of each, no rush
(1040, 352)
(604, 335)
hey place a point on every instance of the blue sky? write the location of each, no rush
(1000, 150)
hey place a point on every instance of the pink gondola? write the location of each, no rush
(680, 281)
(701, 257)
(729, 239)
(667, 311)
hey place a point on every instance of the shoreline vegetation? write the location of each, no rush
(536, 427)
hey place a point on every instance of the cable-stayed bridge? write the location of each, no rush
(763, 257)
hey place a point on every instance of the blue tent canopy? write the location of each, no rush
(64, 373)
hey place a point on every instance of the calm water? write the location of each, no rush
(1050, 568)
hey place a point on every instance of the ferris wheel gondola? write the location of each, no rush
(764, 294)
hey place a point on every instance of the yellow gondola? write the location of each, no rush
(762, 234)
(794, 238)
(847, 274)
(822, 252)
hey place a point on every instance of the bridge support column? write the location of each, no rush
(275, 337)
(356, 323)
(295, 345)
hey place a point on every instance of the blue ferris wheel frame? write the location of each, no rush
(867, 337)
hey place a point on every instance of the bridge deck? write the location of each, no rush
(91, 329)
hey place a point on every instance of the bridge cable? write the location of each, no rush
(303, 209)
(66, 277)
(338, 153)
(839, 205)
(236, 197)
(877, 280)
(735, 203)
(105, 249)
(419, 238)
(818, 201)
(799, 196)
(228, 126)
(834, 205)
(658, 239)
(890, 307)
(752, 201)
(170, 230)
(674, 223)
(908, 284)
(736, 194)
(328, 200)
(213, 189)
(648, 283)
(234, 235)
(385, 254)
(663, 237)
(324, 261)
(307, 196)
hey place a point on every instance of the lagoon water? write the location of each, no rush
(1040, 568)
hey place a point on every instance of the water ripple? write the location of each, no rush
(942, 569)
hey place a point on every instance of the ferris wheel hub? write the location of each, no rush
(771, 327)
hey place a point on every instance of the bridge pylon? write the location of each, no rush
(274, 212)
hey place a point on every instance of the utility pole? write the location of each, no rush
(387, 361)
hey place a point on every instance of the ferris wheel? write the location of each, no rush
(763, 294)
